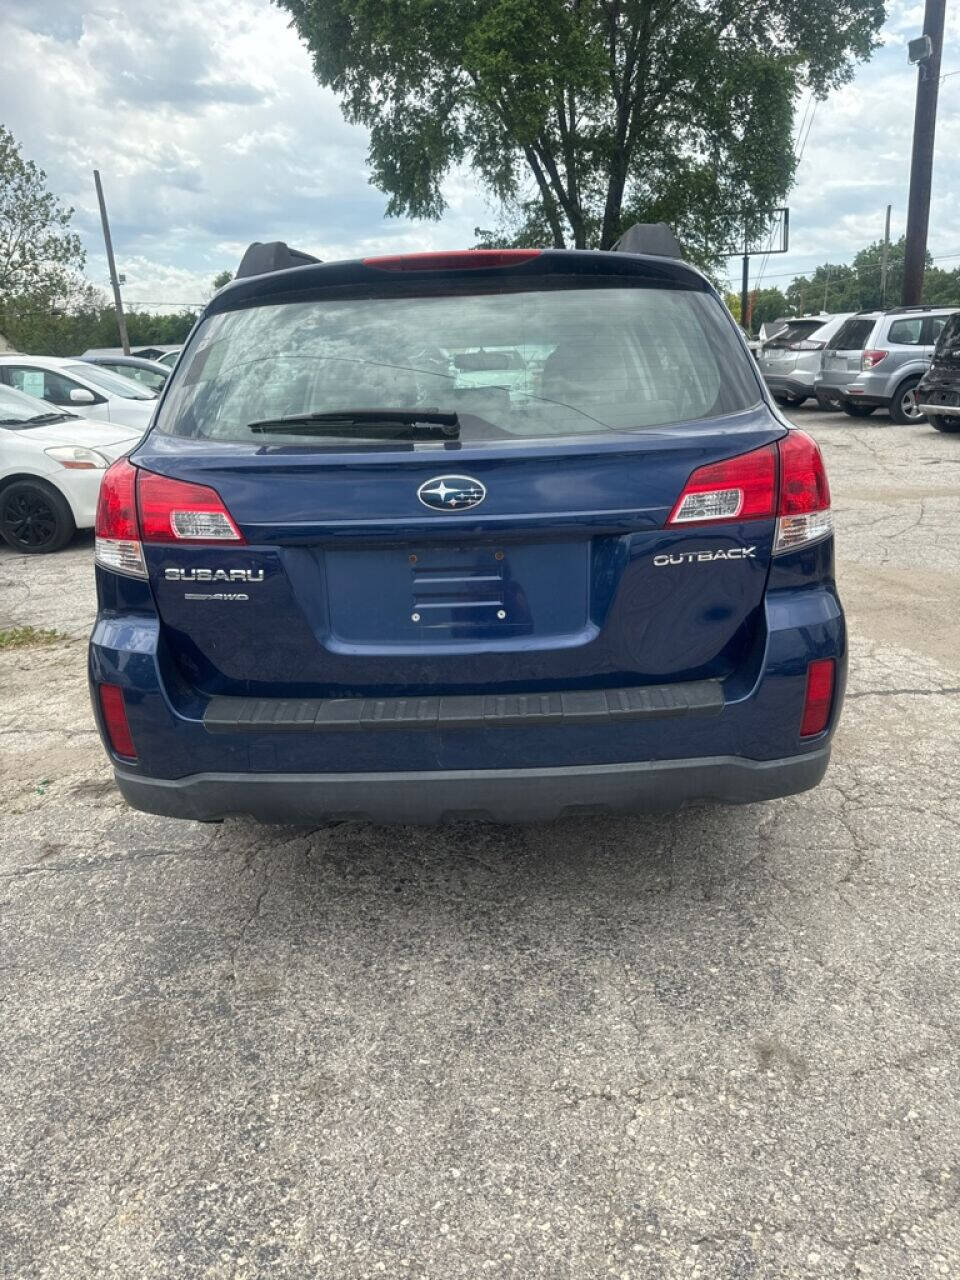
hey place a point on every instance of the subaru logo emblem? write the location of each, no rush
(451, 493)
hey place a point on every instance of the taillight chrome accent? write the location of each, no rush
(741, 488)
(803, 514)
(177, 511)
(818, 697)
(117, 544)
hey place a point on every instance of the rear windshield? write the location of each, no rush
(853, 335)
(541, 363)
(795, 331)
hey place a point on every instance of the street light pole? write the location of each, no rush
(921, 163)
(117, 300)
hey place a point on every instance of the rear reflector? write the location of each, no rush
(742, 488)
(819, 696)
(175, 511)
(804, 513)
(115, 721)
(469, 259)
(117, 546)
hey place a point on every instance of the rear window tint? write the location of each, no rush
(906, 333)
(795, 331)
(853, 335)
(527, 364)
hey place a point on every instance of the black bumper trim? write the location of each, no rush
(491, 795)
(500, 710)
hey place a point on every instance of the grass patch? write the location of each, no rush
(28, 637)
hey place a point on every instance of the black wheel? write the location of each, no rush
(904, 410)
(35, 518)
(941, 423)
(858, 410)
(789, 402)
(826, 405)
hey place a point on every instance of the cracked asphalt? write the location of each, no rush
(721, 1043)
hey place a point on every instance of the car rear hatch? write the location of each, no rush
(844, 352)
(528, 548)
(781, 354)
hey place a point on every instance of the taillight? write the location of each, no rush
(117, 546)
(803, 513)
(870, 359)
(818, 697)
(471, 259)
(115, 721)
(746, 488)
(742, 488)
(176, 511)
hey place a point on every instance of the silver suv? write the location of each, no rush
(877, 358)
(790, 359)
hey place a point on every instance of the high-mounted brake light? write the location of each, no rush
(748, 488)
(117, 546)
(115, 721)
(176, 511)
(870, 359)
(469, 259)
(818, 697)
(741, 488)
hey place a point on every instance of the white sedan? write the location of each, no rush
(82, 387)
(51, 464)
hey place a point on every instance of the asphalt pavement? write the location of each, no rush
(721, 1043)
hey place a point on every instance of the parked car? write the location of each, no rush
(353, 588)
(74, 384)
(169, 358)
(151, 373)
(790, 359)
(51, 465)
(877, 358)
(162, 354)
(938, 393)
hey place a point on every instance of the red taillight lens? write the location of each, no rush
(175, 511)
(870, 359)
(117, 546)
(804, 508)
(115, 721)
(819, 696)
(470, 259)
(742, 488)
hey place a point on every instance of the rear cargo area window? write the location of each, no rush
(853, 335)
(522, 365)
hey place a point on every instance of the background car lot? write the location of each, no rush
(719, 1043)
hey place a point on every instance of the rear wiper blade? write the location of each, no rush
(366, 424)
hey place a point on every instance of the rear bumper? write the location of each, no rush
(794, 384)
(485, 795)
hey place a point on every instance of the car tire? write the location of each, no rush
(34, 517)
(789, 402)
(903, 410)
(940, 422)
(825, 404)
(854, 410)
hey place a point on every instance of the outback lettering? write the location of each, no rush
(691, 557)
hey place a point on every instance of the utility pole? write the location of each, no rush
(117, 300)
(926, 52)
(745, 288)
(885, 258)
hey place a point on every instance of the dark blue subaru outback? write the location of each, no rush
(492, 534)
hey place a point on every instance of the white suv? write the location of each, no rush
(790, 360)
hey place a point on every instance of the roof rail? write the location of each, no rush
(924, 306)
(655, 238)
(260, 259)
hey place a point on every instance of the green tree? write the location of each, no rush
(586, 115)
(859, 286)
(39, 255)
(768, 304)
(220, 279)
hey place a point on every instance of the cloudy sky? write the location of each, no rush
(210, 131)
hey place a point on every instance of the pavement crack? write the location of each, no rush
(81, 865)
(946, 691)
(254, 915)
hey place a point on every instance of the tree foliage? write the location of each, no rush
(39, 254)
(89, 322)
(857, 286)
(583, 116)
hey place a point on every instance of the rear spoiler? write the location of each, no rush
(261, 259)
(649, 237)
